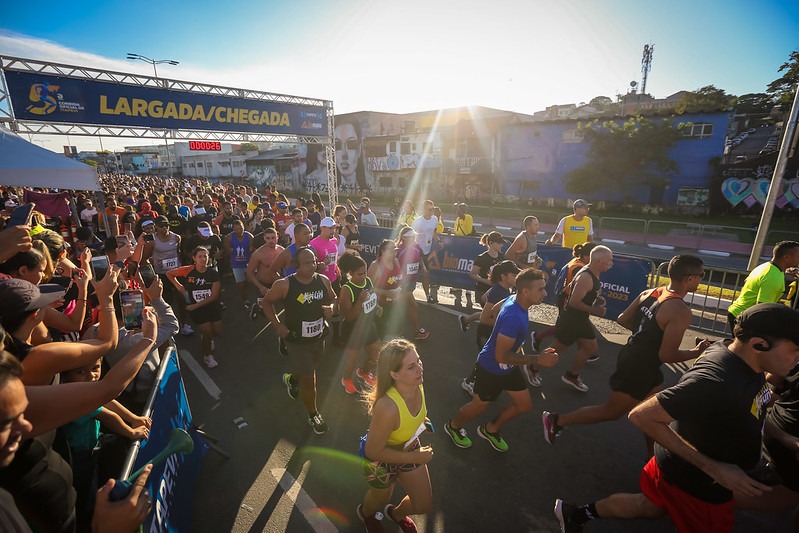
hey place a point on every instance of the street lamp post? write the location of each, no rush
(155, 62)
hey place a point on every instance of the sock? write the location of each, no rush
(585, 513)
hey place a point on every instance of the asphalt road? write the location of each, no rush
(272, 446)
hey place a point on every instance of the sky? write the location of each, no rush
(414, 55)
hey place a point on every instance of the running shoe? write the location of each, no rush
(574, 381)
(281, 347)
(496, 442)
(565, 515)
(318, 424)
(186, 329)
(406, 524)
(367, 377)
(533, 376)
(210, 362)
(255, 309)
(293, 390)
(593, 358)
(462, 323)
(372, 522)
(551, 428)
(422, 334)
(458, 436)
(431, 299)
(468, 386)
(349, 386)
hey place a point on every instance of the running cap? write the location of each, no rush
(205, 231)
(282, 205)
(506, 267)
(20, 296)
(327, 222)
(580, 203)
(773, 320)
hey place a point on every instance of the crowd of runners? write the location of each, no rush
(174, 244)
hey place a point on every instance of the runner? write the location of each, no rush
(386, 275)
(707, 430)
(503, 277)
(164, 254)
(425, 228)
(392, 451)
(306, 297)
(481, 273)
(258, 268)
(497, 367)
(524, 248)
(327, 253)
(358, 303)
(202, 290)
(575, 228)
(283, 265)
(237, 247)
(658, 319)
(409, 256)
(573, 324)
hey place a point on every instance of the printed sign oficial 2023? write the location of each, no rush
(46, 98)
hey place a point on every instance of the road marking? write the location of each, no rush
(714, 252)
(240, 423)
(613, 241)
(661, 246)
(294, 491)
(202, 376)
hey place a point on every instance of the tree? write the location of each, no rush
(623, 155)
(783, 89)
(754, 104)
(600, 102)
(705, 100)
(247, 147)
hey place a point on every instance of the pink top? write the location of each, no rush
(326, 248)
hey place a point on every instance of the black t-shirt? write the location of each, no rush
(226, 224)
(178, 224)
(315, 217)
(213, 243)
(484, 262)
(303, 305)
(785, 412)
(199, 284)
(719, 406)
(9, 515)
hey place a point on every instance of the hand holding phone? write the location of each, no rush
(99, 267)
(132, 308)
(147, 274)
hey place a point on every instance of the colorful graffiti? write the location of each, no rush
(753, 191)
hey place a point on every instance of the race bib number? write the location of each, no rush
(169, 264)
(370, 304)
(331, 258)
(413, 268)
(531, 257)
(429, 241)
(313, 329)
(201, 295)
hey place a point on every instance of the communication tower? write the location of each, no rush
(646, 65)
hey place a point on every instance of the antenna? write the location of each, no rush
(646, 65)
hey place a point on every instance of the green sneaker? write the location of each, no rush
(496, 442)
(292, 390)
(458, 436)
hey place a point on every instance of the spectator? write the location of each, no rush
(368, 218)
(576, 228)
(464, 223)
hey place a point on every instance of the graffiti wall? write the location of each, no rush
(744, 188)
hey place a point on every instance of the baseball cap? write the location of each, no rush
(409, 233)
(205, 231)
(282, 205)
(506, 267)
(773, 320)
(11, 203)
(147, 223)
(327, 222)
(580, 203)
(19, 296)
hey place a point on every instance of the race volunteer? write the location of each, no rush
(576, 228)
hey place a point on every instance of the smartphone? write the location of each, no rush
(99, 266)
(122, 240)
(199, 210)
(21, 216)
(128, 228)
(147, 274)
(148, 237)
(132, 307)
(132, 268)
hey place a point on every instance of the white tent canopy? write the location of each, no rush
(23, 164)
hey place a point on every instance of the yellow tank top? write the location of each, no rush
(409, 424)
(575, 232)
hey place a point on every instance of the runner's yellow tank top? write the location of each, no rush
(409, 424)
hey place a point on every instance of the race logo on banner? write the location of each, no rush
(171, 483)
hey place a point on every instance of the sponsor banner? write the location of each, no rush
(451, 264)
(171, 483)
(47, 98)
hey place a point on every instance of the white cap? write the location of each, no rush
(327, 222)
(205, 231)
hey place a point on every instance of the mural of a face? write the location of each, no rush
(347, 152)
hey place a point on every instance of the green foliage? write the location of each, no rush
(247, 147)
(754, 104)
(783, 89)
(623, 155)
(705, 100)
(91, 162)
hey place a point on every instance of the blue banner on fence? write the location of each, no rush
(49, 98)
(171, 483)
(451, 264)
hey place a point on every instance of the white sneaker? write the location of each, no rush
(575, 382)
(468, 386)
(210, 362)
(533, 377)
(186, 329)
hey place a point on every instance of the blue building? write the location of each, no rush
(534, 158)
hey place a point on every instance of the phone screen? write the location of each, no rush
(132, 307)
(148, 237)
(100, 267)
(200, 210)
(147, 274)
(128, 228)
(21, 216)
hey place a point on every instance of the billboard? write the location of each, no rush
(48, 98)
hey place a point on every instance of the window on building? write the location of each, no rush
(573, 136)
(698, 130)
(405, 148)
(402, 182)
(375, 150)
(386, 181)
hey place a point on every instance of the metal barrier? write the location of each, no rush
(622, 230)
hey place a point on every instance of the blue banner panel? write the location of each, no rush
(171, 483)
(451, 264)
(48, 98)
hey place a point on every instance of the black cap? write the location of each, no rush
(506, 267)
(19, 296)
(776, 321)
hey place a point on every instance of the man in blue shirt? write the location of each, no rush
(498, 365)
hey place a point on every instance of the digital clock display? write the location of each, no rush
(205, 145)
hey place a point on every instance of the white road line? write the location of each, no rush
(294, 491)
(201, 375)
